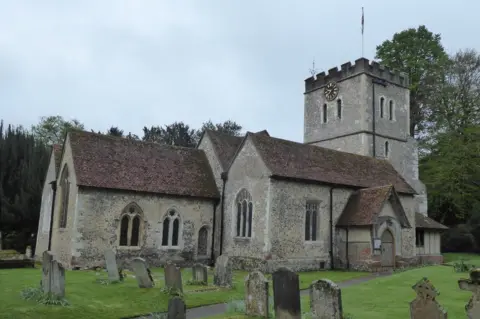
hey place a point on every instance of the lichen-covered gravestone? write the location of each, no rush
(53, 275)
(173, 277)
(223, 272)
(144, 279)
(325, 300)
(424, 306)
(286, 294)
(176, 309)
(200, 274)
(473, 285)
(256, 295)
(111, 264)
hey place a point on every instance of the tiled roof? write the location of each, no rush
(225, 146)
(118, 163)
(287, 159)
(57, 155)
(422, 221)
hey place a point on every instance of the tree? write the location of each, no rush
(228, 127)
(420, 54)
(178, 134)
(53, 129)
(115, 131)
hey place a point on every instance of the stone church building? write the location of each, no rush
(349, 196)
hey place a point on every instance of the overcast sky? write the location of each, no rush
(136, 63)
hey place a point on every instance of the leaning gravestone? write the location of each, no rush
(53, 275)
(256, 295)
(173, 277)
(473, 285)
(111, 264)
(424, 306)
(176, 309)
(47, 259)
(286, 294)
(325, 300)
(144, 279)
(200, 274)
(223, 272)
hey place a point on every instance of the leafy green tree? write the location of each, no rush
(178, 134)
(53, 129)
(420, 54)
(115, 131)
(228, 127)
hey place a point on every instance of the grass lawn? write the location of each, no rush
(89, 299)
(450, 258)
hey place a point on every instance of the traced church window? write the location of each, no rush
(382, 106)
(171, 229)
(339, 108)
(130, 226)
(244, 214)
(324, 113)
(311, 216)
(65, 193)
(420, 238)
(387, 149)
(390, 110)
(202, 241)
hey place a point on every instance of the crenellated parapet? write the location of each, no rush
(361, 66)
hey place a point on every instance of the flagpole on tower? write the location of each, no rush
(363, 26)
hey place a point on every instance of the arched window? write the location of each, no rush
(244, 214)
(324, 113)
(202, 241)
(130, 226)
(382, 106)
(64, 193)
(390, 110)
(171, 229)
(387, 149)
(339, 108)
(311, 212)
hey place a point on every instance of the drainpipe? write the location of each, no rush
(53, 184)
(224, 177)
(346, 250)
(374, 134)
(212, 254)
(331, 229)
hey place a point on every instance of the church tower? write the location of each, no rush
(363, 109)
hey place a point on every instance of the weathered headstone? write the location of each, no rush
(286, 294)
(256, 295)
(28, 252)
(325, 300)
(173, 277)
(473, 285)
(142, 275)
(200, 273)
(111, 264)
(424, 306)
(53, 275)
(176, 308)
(47, 259)
(223, 272)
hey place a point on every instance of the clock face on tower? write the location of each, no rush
(331, 91)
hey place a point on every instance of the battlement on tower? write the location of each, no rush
(361, 65)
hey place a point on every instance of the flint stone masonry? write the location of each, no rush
(200, 273)
(142, 273)
(173, 277)
(256, 295)
(325, 300)
(424, 306)
(286, 294)
(111, 264)
(223, 272)
(473, 285)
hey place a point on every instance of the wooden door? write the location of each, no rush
(388, 252)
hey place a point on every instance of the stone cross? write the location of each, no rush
(325, 300)
(173, 277)
(286, 294)
(473, 285)
(53, 275)
(200, 274)
(176, 309)
(424, 306)
(256, 295)
(223, 272)
(111, 264)
(144, 279)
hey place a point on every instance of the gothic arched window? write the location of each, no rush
(387, 149)
(202, 241)
(64, 193)
(311, 212)
(171, 229)
(339, 108)
(244, 214)
(130, 226)
(382, 106)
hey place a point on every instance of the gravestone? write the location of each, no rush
(424, 306)
(200, 274)
(53, 275)
(47, 259)
(144, 278)
(286, 294)
(28, 252)
(256, 295)
(325, 300)
(473, 285)
(223, 272)
(111, 264)
(176, 309)
(173, 277)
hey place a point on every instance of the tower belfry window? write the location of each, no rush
(390, 111)
(387, 149)
(324, 113)
(339, 108)
(382, 107)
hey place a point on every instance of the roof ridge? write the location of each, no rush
(222, 133)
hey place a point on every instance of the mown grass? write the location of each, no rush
(89, 299)
(451, 258)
